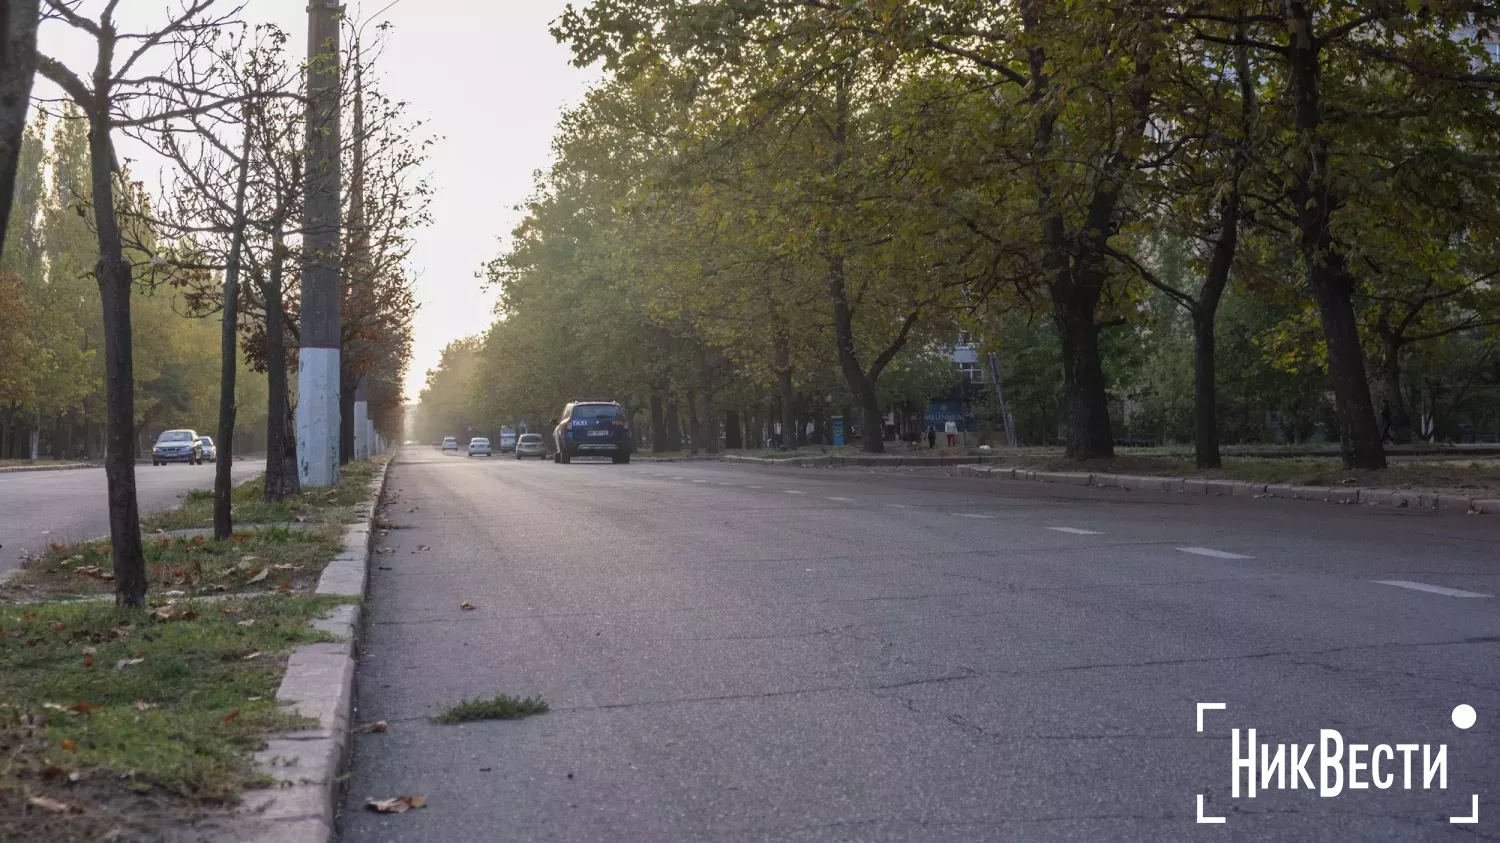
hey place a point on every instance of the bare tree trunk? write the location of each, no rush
(732, 440)
(282, 477)
(674, 428)
(1327, 270)
(658, 422)
(1390, 370)
(694, 427)
(348, 386)
(228, 351)
(18, 21)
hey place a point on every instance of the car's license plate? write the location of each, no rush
(598, 433)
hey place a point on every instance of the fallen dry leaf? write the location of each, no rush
(124, 663)
(250, 622)
(82, 707)
(90, 651)
(373, 728)
(230, 716)
(56, 806)
(466, 605)
(385, 550)
(254, 655)
(69, 744)
(53, 772)
(258, 575)
(301, 519)
(142, 705)
(423, 547)
(396, 804)
(174, 612)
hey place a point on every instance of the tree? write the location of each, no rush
(111, 99)
(18, 25)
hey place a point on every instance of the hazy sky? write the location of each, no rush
(491, 82)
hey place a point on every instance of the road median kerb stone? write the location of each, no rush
(972, 467)
(69, 466)
(319, 684)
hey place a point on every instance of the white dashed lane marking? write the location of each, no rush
(972, 515)
(793, 492)
(1217, 554)
(845, 500)
(1076, 531)
(1432, 589)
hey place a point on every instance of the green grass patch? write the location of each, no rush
(502, 707)
(248, 504)
(98, 693)
(264, 559)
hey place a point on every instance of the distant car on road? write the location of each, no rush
(479, 446)
(210, 451)
(593, 429)
(451, 444)
(177, 446)
(531, 445)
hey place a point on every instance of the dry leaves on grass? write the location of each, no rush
(142, 705)
(230, 716)
(124, 663)
(260, 574)
(396, 804)
(374, 728)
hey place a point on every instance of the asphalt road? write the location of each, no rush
(749, 654)
(40, 507)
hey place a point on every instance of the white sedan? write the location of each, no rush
(479, 446)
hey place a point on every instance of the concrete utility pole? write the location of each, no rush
(322, 287)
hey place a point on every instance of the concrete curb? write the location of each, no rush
(67, 466)
(974, 467)
(1401, 498)
(318, 684)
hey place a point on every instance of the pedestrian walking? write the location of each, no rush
(931, 436)
(951, 428)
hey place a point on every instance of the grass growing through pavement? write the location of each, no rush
(248, 505)
(275, 559)
(103, 703)
(502, 707)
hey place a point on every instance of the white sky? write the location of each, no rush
(490, 81)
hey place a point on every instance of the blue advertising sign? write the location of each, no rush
(939, 413)
(838, 430)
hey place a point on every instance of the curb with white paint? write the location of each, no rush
(67, 466)
(319, 685)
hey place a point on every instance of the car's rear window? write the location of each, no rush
(176, 436)
(531, 438)
(597, 411)
(481, 442)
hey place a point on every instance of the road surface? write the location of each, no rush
(747, 654)
(40, 507)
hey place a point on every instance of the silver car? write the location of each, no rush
(479, 447)
(531, 445)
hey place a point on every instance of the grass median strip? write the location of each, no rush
(109, 710)
(501, 707)
(264, 559)
(334, 504)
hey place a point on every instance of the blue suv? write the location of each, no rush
(592, 429)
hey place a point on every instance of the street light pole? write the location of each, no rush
(322, 288)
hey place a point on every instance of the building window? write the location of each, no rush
(973, 373)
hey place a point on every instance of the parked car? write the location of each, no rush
(531, 445)
(451, 444)
(507, 439)
(210, 450)
(177, 446)
(479, 447)
(592, 429)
